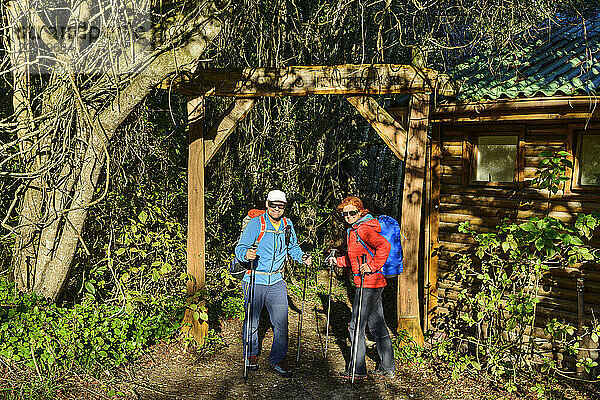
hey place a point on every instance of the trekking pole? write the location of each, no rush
(356, 327)
(249, 310)
(301, 312)
(331, 254)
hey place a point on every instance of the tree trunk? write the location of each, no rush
(56, 201)
(24, 254)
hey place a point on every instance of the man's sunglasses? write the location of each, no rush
(350, 213)
(277, 206)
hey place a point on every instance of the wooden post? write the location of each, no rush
(196, 219)
(425, 223)
(408, 281)
(434, 223)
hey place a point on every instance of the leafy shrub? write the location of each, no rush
(495, 312)
(233, 307)
(45, 336)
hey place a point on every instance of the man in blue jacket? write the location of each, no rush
(264, 240)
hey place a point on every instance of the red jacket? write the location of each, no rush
(368, 229)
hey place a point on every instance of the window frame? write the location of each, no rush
(470, 155)
(575, 181)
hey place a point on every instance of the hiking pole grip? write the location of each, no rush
(363, 258)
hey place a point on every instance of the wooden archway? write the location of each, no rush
(357, 83)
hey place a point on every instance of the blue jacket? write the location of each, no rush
(271, 250)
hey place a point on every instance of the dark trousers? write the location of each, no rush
(371, 314)
(274, 297)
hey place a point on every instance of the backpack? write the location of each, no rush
(238, 268)
(390, 230)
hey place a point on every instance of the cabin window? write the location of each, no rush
(495, 158)
(589, 160)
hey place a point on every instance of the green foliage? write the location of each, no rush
(44, 388)
(496, 309)
(566, 338)
(552, 170)
(233, 307)
(406, 349)
(45, 337)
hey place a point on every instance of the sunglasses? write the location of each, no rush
(349, 213)
(276, 206)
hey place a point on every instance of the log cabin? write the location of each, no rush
(485, 147)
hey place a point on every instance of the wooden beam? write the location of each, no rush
(498, 117)
(390, 130)
(196, 218)
(543, 108)
(434, 223)
(305, 80)
(414, 167)
(217, 135)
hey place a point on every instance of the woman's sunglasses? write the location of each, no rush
(277, 206)
(350, 213)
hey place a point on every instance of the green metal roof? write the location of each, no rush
(559, 60)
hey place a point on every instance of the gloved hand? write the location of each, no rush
(251, 254)
(364, 269)
(307, 259)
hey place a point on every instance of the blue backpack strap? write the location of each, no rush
(364, 244)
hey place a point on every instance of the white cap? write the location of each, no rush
(276, 195)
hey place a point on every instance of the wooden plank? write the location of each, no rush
(503, 105)
(580, 107)
(452, 149)
(434, 222)
(373, 79)
(520, 201)
(196, 218)
(451, 169)
(390, 130)
(530, 192)
(519, 117)
(451, 179)
(451, 160)
(217, 135)
(463, 238)
(408, 299)
(546, 130)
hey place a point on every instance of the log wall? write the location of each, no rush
(486, 205)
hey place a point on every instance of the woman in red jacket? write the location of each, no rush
(363, 233)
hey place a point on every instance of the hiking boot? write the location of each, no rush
(282, 369)
(252, 363)
(385, 374)
(348, 376)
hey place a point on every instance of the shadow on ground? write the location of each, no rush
(172, 371)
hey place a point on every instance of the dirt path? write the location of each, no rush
(171, 372)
